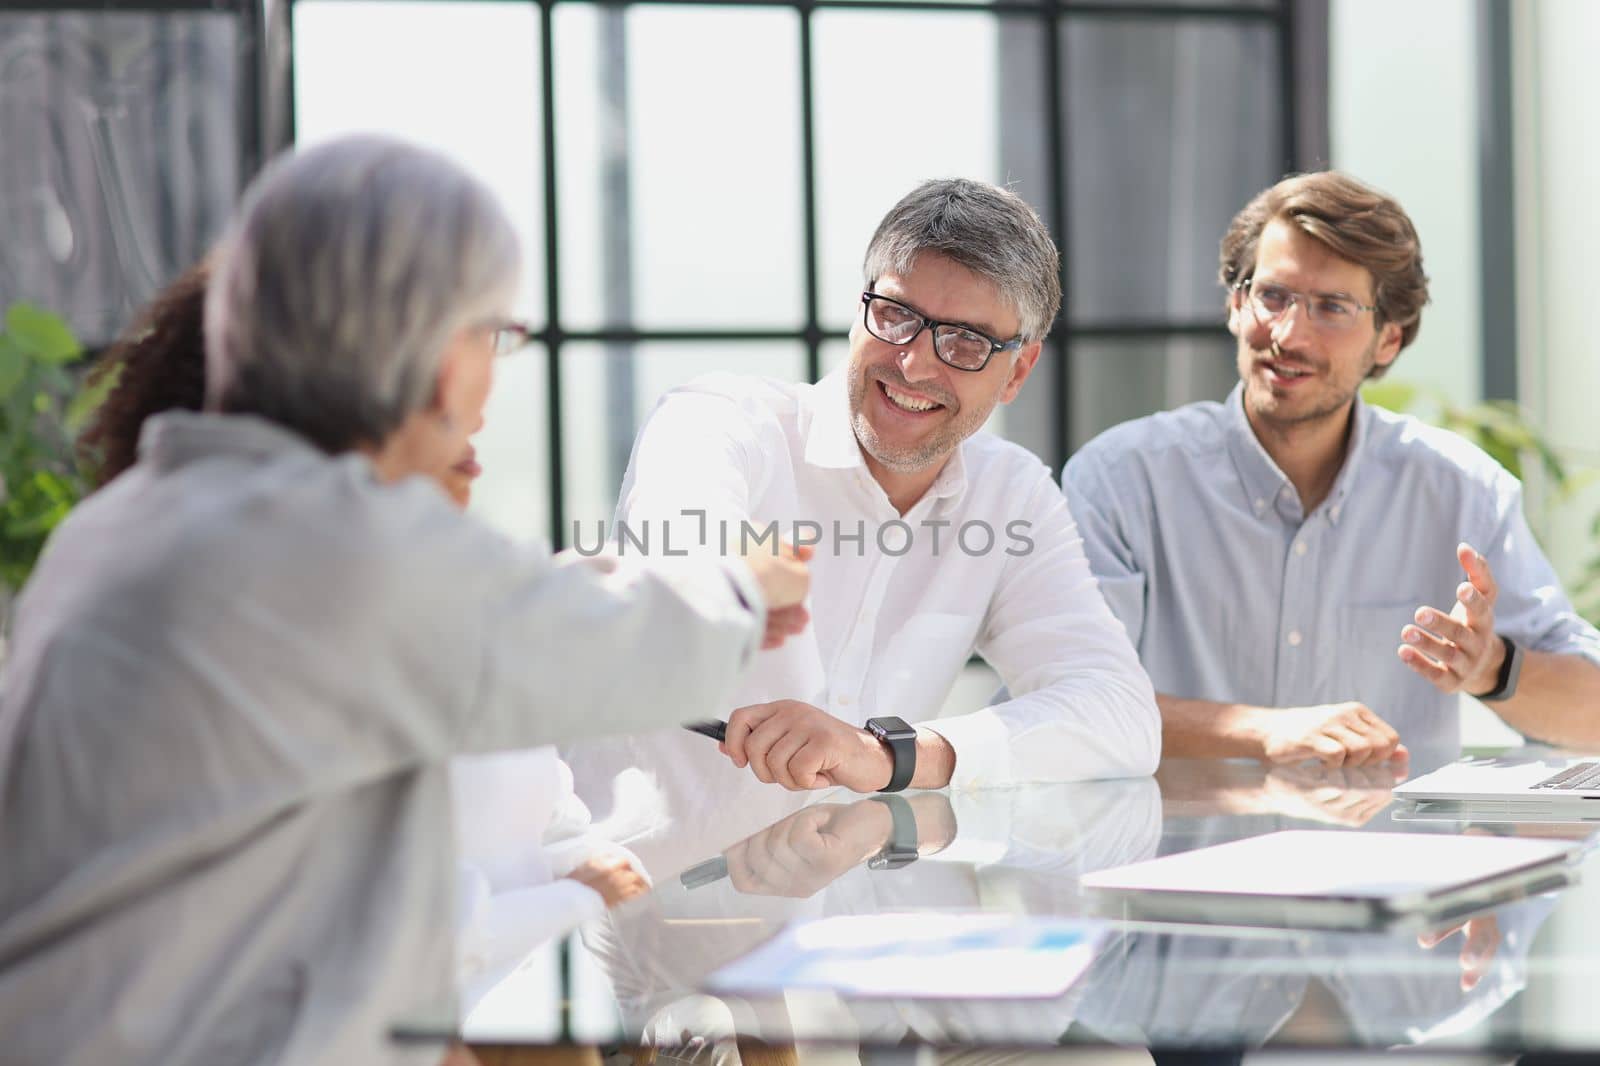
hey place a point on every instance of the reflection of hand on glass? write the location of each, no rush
(1480, 941)
(1336, 795)
(808, 850)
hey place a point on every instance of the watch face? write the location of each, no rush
(891, 728)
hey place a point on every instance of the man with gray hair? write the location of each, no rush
(933, 539)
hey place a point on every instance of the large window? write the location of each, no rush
(126, 133)
(695, 184)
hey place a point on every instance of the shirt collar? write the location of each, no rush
(831, 439)
(176, 438)
(1264, 482)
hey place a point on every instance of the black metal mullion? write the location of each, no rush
(808, 194)
(1288, 91)
(252, 97)
(1497, 202)
(552, 334)
(1055, 75)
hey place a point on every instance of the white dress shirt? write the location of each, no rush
(896, 613)
(239, 675)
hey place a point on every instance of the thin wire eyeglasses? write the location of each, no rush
(1330, 312)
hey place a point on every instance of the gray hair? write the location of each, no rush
(988, 230)
(338, 288)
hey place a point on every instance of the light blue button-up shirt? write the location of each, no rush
(1231, 592)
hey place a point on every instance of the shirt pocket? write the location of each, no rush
(921, 661)
(1369, 636)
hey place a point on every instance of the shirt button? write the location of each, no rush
(1300, 547)
(1294, 638)
(841, 700)
(1261, 504)
(1333, 513)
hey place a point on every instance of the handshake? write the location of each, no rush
(785, 579)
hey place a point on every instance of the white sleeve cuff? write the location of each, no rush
(749, 593)
(982, 744)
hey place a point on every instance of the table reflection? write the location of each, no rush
(734, 861)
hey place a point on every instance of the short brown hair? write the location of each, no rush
(1356, 222)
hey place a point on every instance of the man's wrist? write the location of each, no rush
(1487, 679)
(879, 759)
(1249, 730)
(1507, 663)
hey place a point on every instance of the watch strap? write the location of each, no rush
(901, 849)
(903, 755)
(1505, 684)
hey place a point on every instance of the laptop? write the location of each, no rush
(1533, 781)
(1334, 879)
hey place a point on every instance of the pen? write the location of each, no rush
(714, 728)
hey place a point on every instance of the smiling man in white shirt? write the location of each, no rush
(932, 539)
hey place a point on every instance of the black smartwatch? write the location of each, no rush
(902, 742)
(901, 850)
(1505, 684)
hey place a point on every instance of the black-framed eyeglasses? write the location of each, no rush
(961, 347)
(1330, 312)
(511, 336)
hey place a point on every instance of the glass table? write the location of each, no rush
(734, 861)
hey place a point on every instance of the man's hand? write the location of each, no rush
(799, 746)
(1335, 734)
(782, 574)
(1458, 652)
(808, 850)
(783, 623)
(611, 876)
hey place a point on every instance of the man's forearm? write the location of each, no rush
(1206, 729)
(1557, 700)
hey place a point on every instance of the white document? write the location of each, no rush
(927, 956)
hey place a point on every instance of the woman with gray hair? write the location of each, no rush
(241, 669)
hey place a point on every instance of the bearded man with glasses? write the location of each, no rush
(1306, 576)
(932, 539)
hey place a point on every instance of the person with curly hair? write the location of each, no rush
(159, 365)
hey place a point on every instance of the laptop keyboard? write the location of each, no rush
(1584, 775)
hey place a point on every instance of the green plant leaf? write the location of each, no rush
(13, 366)
(1394, 395)
(44, 335)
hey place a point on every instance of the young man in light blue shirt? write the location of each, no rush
(1305, 576)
